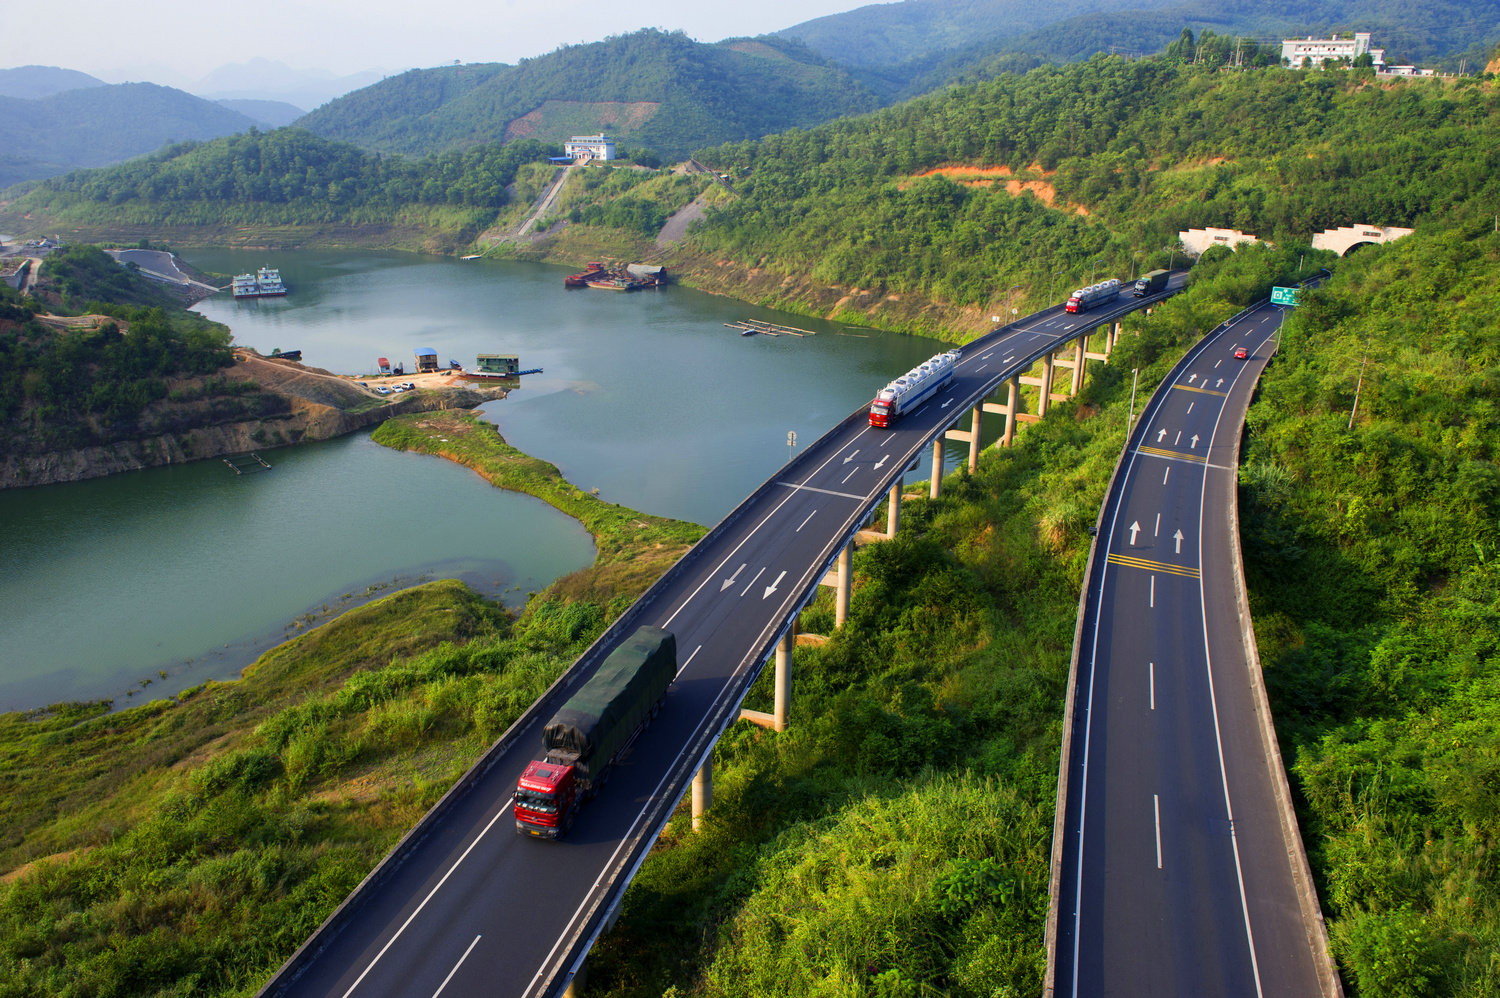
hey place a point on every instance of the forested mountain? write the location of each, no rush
(1101, 160)
(33, 82)
(99, 125)
(287, 177)
(891, 33)
(905, 40)
(653, 90)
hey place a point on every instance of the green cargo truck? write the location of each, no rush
(590, 732)
(1151, 283)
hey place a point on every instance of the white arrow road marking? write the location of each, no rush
(851, 456)
(772, 587)
(1219, 383)
(736, 576)
(1162, 435)
(752, 582)
(1008, 359)
(985, 356)
(1194, 444)
(946, 404)
(1192, 378)
(1178, 538)
(882, 461)
(1135, 528)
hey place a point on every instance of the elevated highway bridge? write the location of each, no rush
(464, 906)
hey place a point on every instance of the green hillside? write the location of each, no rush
(654, 90)
(288, 179)
(1128, 153)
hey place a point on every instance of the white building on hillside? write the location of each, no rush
(1299, 52)
(585, 148)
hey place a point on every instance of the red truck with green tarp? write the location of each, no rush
(590, 732)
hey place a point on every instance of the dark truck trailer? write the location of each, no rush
(1151, 283)
(590, 732)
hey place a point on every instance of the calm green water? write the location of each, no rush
(194, 571)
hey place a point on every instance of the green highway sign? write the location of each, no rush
(1283, 296)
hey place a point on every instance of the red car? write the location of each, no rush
(1240, 353)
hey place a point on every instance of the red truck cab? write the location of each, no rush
(546, 800)
(880, 412)
(1073, 305)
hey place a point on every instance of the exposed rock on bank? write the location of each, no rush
(279, 402)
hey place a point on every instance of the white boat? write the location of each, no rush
(246, 286)
(269, 281)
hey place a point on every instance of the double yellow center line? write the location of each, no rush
(1130, 561)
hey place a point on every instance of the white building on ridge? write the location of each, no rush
(585, 148)
(1299, 52)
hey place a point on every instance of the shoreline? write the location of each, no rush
(318, 405)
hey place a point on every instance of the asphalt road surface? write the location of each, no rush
(473, 908)
(1177, 876)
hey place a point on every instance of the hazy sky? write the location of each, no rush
(174, 43)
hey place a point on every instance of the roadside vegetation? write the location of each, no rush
(1372, 546)
(1093, 169)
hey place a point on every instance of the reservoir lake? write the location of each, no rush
(193, 571)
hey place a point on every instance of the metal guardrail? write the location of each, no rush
(724, 714)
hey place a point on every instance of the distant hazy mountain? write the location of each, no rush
(270, 113)
(102, 125)
(914, 38)
(33, 82)
(266, 79)
(653, 90)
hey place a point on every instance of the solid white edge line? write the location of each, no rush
(1234, 840)
(460, 963)
(1088, 722)
(435, 889)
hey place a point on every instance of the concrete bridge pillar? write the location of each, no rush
(936, 484)
(783, 677)
(893, 508)
(1046, 393)
(1078, 362)
(703, 791)
(975, 427)
(1012, 393)
(841, 594)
